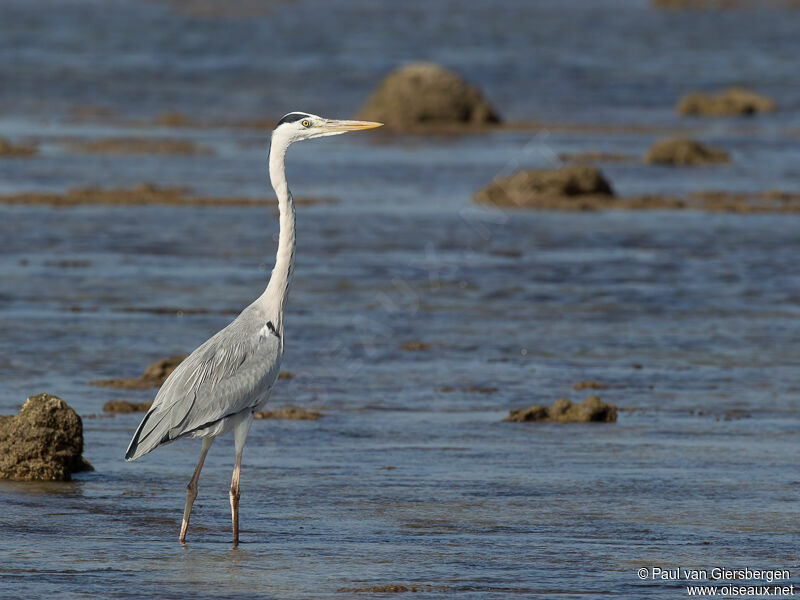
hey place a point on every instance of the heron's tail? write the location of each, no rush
(147, 437)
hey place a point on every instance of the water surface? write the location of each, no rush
(691, 319)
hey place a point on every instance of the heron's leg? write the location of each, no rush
(191, 489)
(239, 437)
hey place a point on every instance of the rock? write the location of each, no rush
(289, 412)
(589, 385)
(425, 94)
(713, 201)
(44, 441)
(734, 414)
(87, 111)
(123, 406)
(767, 201)
(7, 149)
(598, 156)
(729, 102)
(684, 152)
(415, 346)
(546, 188)
(158, 371)
(391, 588)
(137, 146)
(693, 4)
(125, 383)
(154, 375)
(535, 412)
(707, 5)
(592, 409)
(172, 119)
(480, 389)
(144, 193)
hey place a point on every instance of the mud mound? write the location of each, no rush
(172, 118)
(123, 406)
(592, 409)
(583, 188)
(415, 346)
(137, 146)
(684, 152)
(9, 150)
(730, 102)
(767, 201)
(154, 375)
(391, 588)
(695, 4)
(547, 188)
(598, 156)
(142, 194)
(44, 441)
(589, 385)
(424, 94)
(723, 4)
(289, 412)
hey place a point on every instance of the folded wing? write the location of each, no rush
(231, 372)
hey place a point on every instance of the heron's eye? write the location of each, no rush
(306, 123)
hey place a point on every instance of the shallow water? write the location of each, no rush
(528, 303)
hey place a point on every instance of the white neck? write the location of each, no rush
(274, 296)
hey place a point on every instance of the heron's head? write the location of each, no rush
(298, 126)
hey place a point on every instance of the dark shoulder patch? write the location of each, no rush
(271, 327)
(292, 117)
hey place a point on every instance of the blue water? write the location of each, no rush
(691, 319)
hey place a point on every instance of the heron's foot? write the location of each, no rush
(191, 494)
(234, 494)
(182, 536)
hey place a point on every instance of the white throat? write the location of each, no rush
(273, 298)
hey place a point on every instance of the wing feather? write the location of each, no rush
(231, 372)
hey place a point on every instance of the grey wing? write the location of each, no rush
(229, 373)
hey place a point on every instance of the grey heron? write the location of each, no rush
(219, 386)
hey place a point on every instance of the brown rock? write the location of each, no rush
(480, 389)
(158, 371)
(598, 156)
(172, 119)
(684, 152)
(723, 4)
(44, 441)
(535, 412)
(137, 146)
(589, 385)
(532, 188)
(415, 346)
(729, 102)
(391, 588)
(425, 94)
(694, 4)
(592, 409)
(144, 193)
(154, 375)
(289, 412)
(9, 150)
(767, 201)
(123, 406)
(125, 383)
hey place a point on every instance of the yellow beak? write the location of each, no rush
(342, 126)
